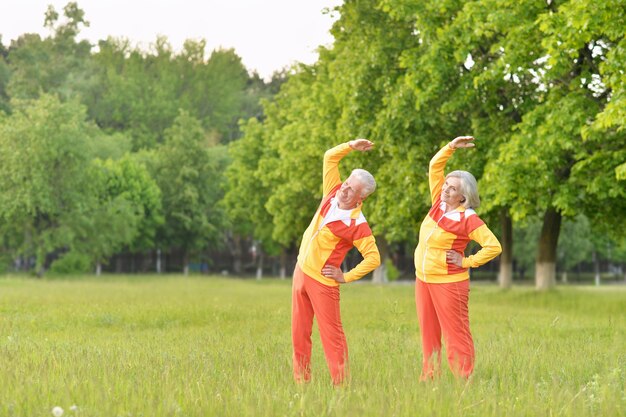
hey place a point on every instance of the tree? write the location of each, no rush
(246, 194)
(44, 175)
(190, 177)
(136, 92)
(111, 223)
(318, 107)
(365, 69)
(129, 208)
(544, 159)
(574, 244)
(57, 64)
(213, 90)
(4, 78)
(141, 92)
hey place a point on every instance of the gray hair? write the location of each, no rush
(366, 179)
(469, 188)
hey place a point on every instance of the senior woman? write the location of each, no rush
(442, 269)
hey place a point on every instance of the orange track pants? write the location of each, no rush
(443, 308)
(312, 298)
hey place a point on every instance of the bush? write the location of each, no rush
(71, 263)
(6, 263)
(392, 272)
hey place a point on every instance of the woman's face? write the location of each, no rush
(451, 192)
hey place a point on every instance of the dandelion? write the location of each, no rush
(57, 411)
(74, 408)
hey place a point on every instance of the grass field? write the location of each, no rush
(175, 346)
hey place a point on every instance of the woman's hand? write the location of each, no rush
(462, 142)
(333, 272)
(454, 258)
(361, 144)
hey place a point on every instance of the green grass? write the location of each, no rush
(175, 346)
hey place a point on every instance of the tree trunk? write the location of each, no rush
(380, 273)
(596, 268)
(379, 276)
(259, 266)
(237, 254)
(234, 245)
(41, 271)
(545, 263)
(98, 268)
(158, 261)
(146, 265)
(46, 262)
(185, 263)
(505, 277)
(564, 271)
(282, 273)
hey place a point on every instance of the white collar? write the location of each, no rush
(335, 213)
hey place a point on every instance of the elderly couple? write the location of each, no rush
(441, 268)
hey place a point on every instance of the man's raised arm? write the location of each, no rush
(332, 157)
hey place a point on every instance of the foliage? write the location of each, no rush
(54, 65)
(575, 243)
(127, 214)
(526, 237)
(525, 78)
(558, 145)
(189, 174)
(4, 79)
(141, 93)
(62, 199)
(122, 149)
(45, 174)
(72, 263)
(246, 195)
(392, 272)
(130, 180)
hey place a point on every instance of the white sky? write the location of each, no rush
(267, 34)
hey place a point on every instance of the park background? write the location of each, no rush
(124, 159)
(120, 159)
(143, 189)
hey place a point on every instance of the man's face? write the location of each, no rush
(349, 195)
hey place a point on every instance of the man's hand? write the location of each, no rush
(361, 145)
(333, 272)
(462, 142)
(454, 258)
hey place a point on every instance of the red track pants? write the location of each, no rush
(312, 298)
(443, 308)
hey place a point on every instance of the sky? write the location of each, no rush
(267, 34)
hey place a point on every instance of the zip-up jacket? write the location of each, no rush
(333, 231)
(441, 231)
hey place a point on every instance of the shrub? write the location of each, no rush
(71, 263)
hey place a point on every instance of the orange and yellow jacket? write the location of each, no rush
(333, 231)
(441, 231)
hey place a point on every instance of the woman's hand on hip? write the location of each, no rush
(454, 258)
(333, 272)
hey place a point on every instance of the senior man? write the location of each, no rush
(337, 226)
